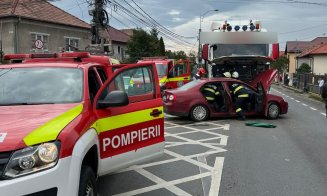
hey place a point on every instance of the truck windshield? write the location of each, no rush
(161, 69)
(240, 49)
(30, 86)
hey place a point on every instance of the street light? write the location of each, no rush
(201, 19)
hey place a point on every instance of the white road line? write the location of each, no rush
(158, 180)
(216, 176)
(304, 104)
(323, 114)
(292, 98)
(205, 181)
(298, 101)
(166, 184)
(313, 108)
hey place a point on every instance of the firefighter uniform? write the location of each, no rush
(211, 93)
(241, 97)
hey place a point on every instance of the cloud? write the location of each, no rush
(174, 12)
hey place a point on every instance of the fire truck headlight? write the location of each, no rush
(236, 28)
(252, 27)
(245, 27)
(32, 159)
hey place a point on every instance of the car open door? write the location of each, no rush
(260, 98)
(130, 121)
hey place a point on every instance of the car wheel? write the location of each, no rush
(273, 111)
(199, 113)
(87, 182)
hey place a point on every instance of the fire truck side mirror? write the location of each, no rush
(205, 52)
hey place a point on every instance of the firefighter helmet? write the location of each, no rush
(235, 75)
(227, 74)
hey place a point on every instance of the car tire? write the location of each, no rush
(199, 113)
(273, 111)
(87, 182)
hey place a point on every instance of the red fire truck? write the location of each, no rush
(171, 73)
(245, 49)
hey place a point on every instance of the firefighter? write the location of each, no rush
(200, 73)
(241, 96)
(211, 93)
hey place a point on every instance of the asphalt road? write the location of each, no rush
(225, 157)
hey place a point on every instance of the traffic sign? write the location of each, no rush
(38, 44)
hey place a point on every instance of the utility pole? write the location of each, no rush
(99, 22)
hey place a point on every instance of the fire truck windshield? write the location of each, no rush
(25, 86)
(161, 69)
(240, 49)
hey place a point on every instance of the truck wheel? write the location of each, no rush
(87, 182)
(273, 111)
(199, 113)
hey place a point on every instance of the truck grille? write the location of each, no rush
(4, 158)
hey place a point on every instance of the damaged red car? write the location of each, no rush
(189, 101)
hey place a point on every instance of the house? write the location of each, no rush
(316, 57)
(28, 26)
(295, 48)
(116, 43)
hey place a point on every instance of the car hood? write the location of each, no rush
(17, 123)
(265, 78)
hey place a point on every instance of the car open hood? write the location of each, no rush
(241, 59)
(265, 78)
(16, 122)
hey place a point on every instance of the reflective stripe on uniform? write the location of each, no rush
(244, 95)
(237, 89)
(238, 110)
(50, 130)
(210, 98)
(210, 90)
(123, 120)
(217, 93)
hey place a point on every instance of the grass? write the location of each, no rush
(316, 97)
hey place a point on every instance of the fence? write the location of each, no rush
(308, 82)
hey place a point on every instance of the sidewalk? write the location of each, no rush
(309, 95)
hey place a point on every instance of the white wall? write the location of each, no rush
(320, 64)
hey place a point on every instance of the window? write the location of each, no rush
(137, 82)
(42, 37)
(94, 84)
(179, 70)
(71, 43)
(102, 74)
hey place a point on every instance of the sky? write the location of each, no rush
(178, 21)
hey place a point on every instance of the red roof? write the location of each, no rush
(116, 35)
(40, 10)
(317, 49)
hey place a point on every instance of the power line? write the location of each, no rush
(304, 29)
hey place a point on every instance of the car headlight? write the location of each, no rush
(32, 159)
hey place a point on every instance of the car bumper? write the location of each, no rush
(171, 110)
(54, 181)
(284, 107)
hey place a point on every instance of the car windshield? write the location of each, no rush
(189, 85)
(25, 86)
(161, 69)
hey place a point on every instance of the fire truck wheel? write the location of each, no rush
(273, 111)
(199, 113)
(87, 183)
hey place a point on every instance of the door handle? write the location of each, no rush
(155, 113)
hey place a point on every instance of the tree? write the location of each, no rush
(161, 47)
(304, 68)
(143, 44)
(280, 64)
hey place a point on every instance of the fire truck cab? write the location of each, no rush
(171, 73)
(242, 48)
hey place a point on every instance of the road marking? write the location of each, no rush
(216, 176)
(313, 108)
(292, 98)
(298, 101)
(323, 114)
(205, 181)
(304, 104)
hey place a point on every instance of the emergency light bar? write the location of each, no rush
(47, 55)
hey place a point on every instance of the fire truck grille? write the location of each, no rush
(4, 158)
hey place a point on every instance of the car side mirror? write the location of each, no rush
(113, 99)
